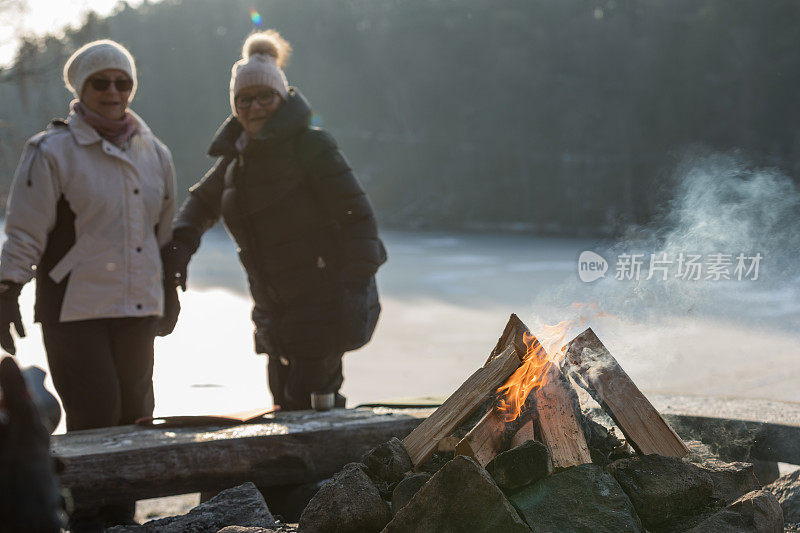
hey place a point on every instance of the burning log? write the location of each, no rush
(485, 440)
(554, 415)
(557, 422)
(491, 434)
(504, 360)
(602, 376)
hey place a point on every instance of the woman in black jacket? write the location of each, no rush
(304, 227)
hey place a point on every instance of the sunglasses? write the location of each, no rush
(102, 84)
(264, 98)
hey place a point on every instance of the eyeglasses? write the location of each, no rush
(264, 98)
(102, 84)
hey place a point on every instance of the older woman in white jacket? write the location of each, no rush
(90, 207)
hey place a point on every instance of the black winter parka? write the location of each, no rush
(305, 230)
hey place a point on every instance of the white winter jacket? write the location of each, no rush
(123, 202)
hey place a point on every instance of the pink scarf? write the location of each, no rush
(115, 131)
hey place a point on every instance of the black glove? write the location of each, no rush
(175, 257)
(9, 314)
(31, 499)
(172, 308)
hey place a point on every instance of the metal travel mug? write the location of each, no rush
(322, 401)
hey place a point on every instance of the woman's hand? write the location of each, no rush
(9, 314)
(175, 257)
(172, 308)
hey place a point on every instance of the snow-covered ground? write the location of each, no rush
(446, 298)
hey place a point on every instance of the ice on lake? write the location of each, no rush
(446, 298)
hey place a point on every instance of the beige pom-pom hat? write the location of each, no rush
(264, 56)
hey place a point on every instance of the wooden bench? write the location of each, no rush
(129, 462)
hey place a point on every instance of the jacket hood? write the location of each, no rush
(292, 117)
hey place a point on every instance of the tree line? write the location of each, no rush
(551, 116)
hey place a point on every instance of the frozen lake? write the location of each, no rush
(446, 298)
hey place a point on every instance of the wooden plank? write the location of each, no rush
(602, 376)
(130, 462)
(422, 442)
(557, 423)
(485, 440)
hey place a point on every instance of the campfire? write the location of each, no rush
(512, 450)
(536, 401)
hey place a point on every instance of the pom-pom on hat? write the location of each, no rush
(264, 56)
(94, 57)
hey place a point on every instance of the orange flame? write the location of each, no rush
(532, 374)
(540, 355)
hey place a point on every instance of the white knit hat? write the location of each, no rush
(94, 57)
(264, 55)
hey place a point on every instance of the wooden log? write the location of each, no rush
(505, 359)
(523, 434)
(602, 376)
(513, 334)
(129, 462)
(494, 431)
(448, 444)
(557, 422)
(741, 440)
(485, 440)
(734, 439)
(424, 439)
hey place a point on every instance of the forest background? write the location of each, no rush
(563, 117)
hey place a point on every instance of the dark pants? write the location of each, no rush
(292, 381)
(103, 371)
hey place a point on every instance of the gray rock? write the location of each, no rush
(581, 499)
(520, 466)
(461, 496)
(756, 512)
(787, 490)
(604, 446)
(238, 506)
(436, 461)
(406, 489)
(766, 471)
(662, 489)
(348, 503)
(288, 501)
(388, 461)
(731, 480)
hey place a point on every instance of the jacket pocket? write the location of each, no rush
(360, 309)
(74, 255)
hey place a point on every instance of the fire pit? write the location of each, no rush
(515, 448)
